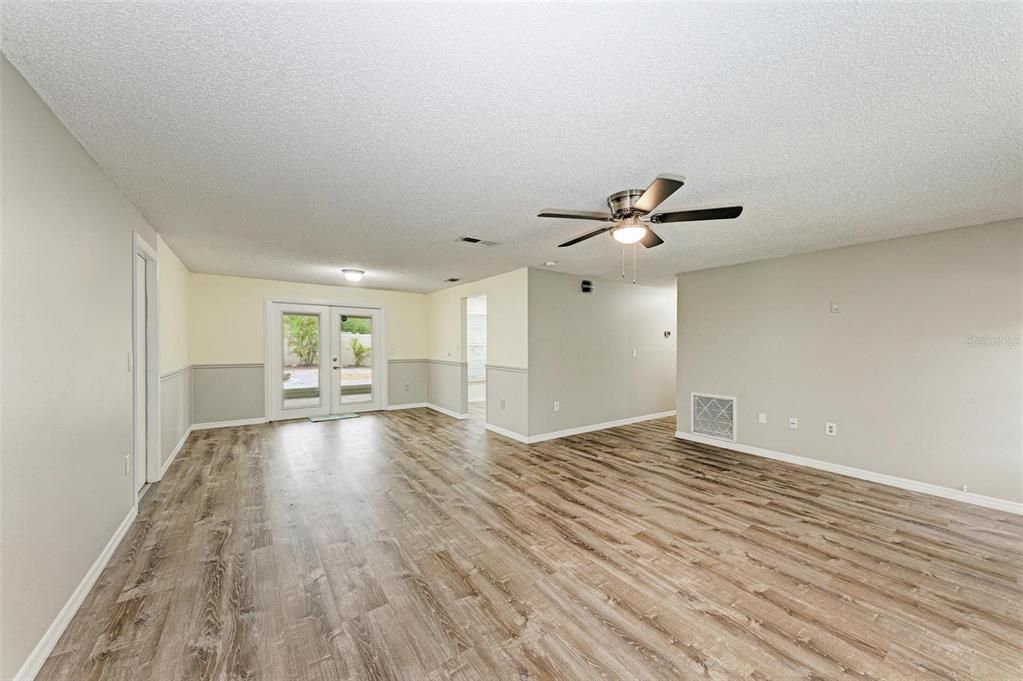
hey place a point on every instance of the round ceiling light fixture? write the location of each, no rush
(353, 275)
(629, 231)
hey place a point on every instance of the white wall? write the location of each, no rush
(66, 387)
(173, 309)
(581, 351)
(899, 368)
(226, 316)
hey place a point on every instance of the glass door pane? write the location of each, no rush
(356, 360)
(300, 360)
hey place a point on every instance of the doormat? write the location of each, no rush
(332, 417)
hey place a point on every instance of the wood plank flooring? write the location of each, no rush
(408, 545)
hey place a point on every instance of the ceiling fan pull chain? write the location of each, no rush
(634, 263)
(623, 262)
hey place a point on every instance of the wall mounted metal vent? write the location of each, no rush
(714, 416)
(476, 241)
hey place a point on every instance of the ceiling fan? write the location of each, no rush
(631, 217)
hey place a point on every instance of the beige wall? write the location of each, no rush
(173, 309)
(507, 319)
(899, 368)
(226, 316)
(581, 351)
(66, 268)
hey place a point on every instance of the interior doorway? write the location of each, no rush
(145, 459)
(324, 359)
(476, 354)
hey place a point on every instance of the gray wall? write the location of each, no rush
(402, 373)
(210, 393)
(175, 410)
(507, 398)
(227, 392)
(66, 264)
(920, 368)
(447, 385)
(580, 351)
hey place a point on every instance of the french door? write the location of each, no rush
(323, 360)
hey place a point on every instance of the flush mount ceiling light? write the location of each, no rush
(353, 275)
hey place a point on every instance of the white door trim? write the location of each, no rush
(269, 342)
(140, 248)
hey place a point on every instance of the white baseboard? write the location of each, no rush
(508, 433)
(599, 426)
(447, 412)
(228, 424)
(882, 478)
(42, 650)
(177, 448)
(410, 405)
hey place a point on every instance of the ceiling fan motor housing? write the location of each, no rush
(621, 203)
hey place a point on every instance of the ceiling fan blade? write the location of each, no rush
(584, 237)
(574, 214)
(660, 189)
(651, 239)
(694, 215)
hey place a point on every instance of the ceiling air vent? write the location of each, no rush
(714, 416)
(476, 241)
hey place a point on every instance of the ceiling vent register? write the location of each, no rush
(476, 241)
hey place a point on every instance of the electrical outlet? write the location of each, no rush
(557, 405)
(405, 387)
(830, 428)
(793, 423)
(502, 404)
(761, 417)
(634, 353)
(965, 488)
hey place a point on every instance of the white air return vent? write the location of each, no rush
(714, 416)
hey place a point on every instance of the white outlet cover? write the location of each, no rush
(830, 428)
(557, 406)
(761, 417)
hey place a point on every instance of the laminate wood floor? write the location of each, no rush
(408, 545)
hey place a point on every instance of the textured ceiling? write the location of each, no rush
(287, 140)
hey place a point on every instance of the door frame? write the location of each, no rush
(141, 248)
(268, 343)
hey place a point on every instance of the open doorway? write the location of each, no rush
(476, 355)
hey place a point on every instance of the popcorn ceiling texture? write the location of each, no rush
(287, 140)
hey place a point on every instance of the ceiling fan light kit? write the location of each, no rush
(629, 231)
